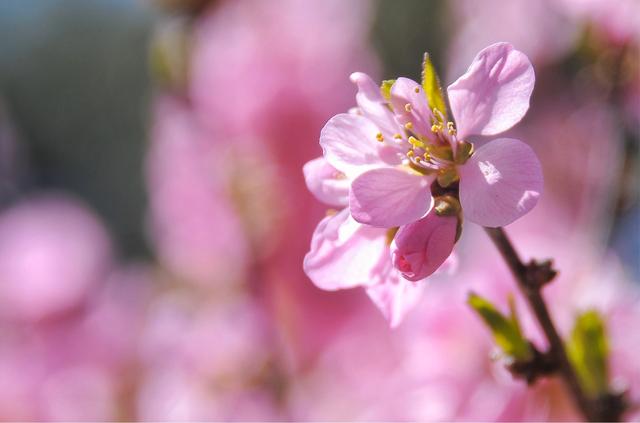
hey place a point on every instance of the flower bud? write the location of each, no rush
(420, 248)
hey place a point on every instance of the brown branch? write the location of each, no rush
(531, 278)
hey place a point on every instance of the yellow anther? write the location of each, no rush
(379, 136)
(416, 90)
(397, 136)
(409, 126)
(426, 156)
(410, 153)
(418, 159)
(408, 108)
(436, 128)
(416, 142)
(451, 129)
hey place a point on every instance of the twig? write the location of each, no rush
(531, 278)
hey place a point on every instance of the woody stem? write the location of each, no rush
(530, 279)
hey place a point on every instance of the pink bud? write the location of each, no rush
(420, 248)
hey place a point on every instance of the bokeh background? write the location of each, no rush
(154, 216)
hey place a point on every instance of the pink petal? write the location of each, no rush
(403, 93)
(325, 182)
(374, 106)
(344, 253)
(389, 197)
(501, 182)
(450, 265)
(394, 295)
(420, 248)
(349, 144)
(493, 95)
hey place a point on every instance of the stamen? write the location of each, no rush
(426, 156)
(408, 108)
(379, 137)
(436, 128)
(438, 114)
(416, 90)
(451, 128)
(397, 136)
(410, 153)
(408, 126)
(416, 142)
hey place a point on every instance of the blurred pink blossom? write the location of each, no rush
(53, 250)
(220, 362)
(81, 365)
(195, 229)
(244, 89)
(267, 105)
(619, 21)
(537, 28)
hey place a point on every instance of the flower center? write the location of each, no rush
(435, 152)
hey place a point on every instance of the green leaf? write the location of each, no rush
(431, 86)
(506, 331)
(385, 88)
(588, 351)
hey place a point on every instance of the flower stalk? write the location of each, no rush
(530, 279)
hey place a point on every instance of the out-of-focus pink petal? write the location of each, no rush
(394, 295)
(389, 197)
(53, 252)
(421, 247)
(349, 144)
(450, 265)
(408, 92)
(500, 183)
(493, 95)
(374, 107)
(325, 182)
(343, 253)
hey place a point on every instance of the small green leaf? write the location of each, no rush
(385, 88)
(588, 351)
(506, 331)
(431, 86)
(513, 314)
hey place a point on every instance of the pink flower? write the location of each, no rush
(392, 178)
(386, 158)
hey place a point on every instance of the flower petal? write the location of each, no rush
(493, 95)
(394, 295)
(349, 144)
(374, 106)
(501, 182)
(344, 253)
(408, 92)
(421, 247)
(389, 197)
(326, 183)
